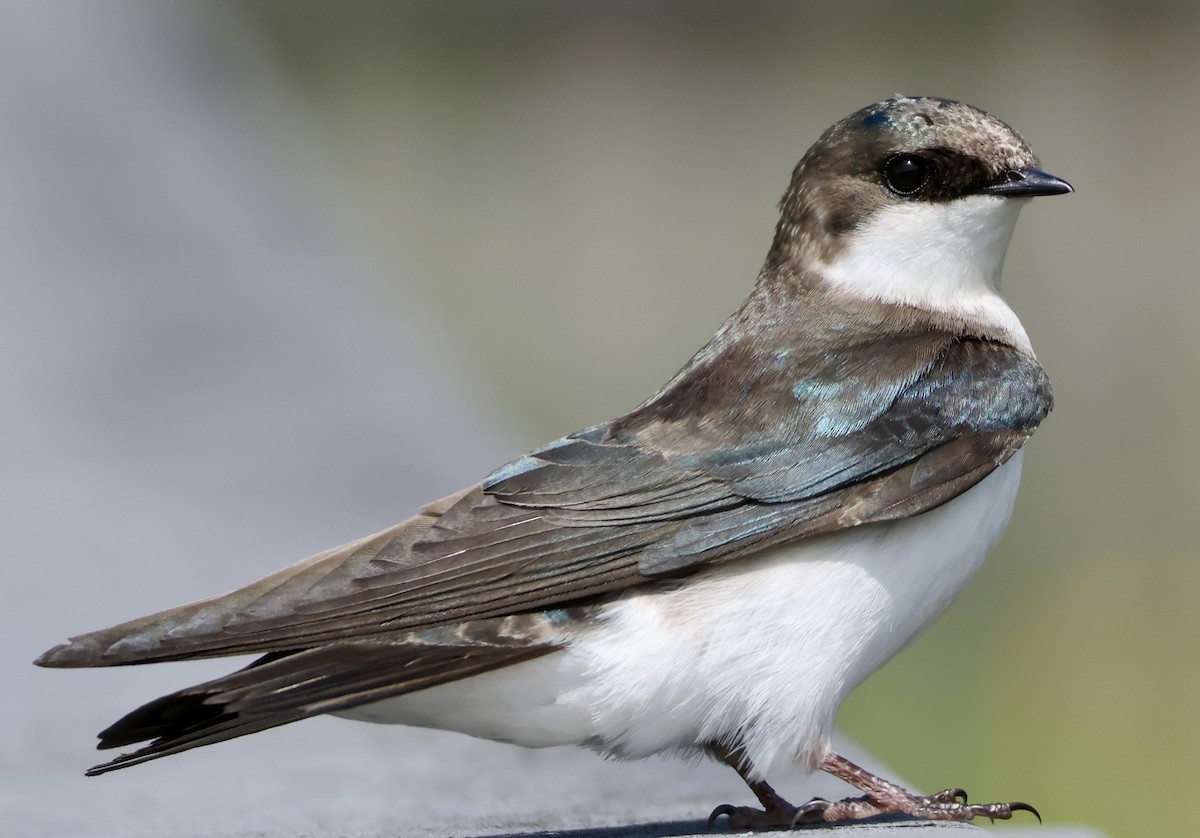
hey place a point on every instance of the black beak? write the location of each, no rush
(1026, 183)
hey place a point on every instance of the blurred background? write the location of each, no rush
(277, 272)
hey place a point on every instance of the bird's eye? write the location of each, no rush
(905, 174)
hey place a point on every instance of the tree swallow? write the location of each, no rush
(714, 571)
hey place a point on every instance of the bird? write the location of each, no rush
(714, 571)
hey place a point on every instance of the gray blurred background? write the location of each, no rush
(277, 272)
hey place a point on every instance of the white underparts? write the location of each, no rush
(945, 257)
(762, 650)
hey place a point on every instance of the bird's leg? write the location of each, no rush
(775, 813)
(883, 797)
(880, 797)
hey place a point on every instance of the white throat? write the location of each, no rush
(944, 257)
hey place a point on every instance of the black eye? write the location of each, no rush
(905, 174)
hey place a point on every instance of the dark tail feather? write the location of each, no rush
(285, 688)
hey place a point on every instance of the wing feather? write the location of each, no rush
(726, 460)
(286, 689)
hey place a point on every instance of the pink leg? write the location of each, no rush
(881, 797)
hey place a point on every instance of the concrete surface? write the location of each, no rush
(329, 777)
(195, 404)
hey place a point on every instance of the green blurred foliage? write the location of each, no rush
(585, 190)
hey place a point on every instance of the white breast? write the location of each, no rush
(764, 648)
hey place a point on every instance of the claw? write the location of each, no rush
(958, 795)
(812, 807)
(724, 809)
(1025, 807)
(955, 795)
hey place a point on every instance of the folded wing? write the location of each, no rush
(742, 450)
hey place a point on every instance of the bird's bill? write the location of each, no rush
(1028, 183)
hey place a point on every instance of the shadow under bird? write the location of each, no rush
(715, 570)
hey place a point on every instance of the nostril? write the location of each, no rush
(1016, 177)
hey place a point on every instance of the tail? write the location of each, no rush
(285, 687)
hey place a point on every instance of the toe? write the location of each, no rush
(949, 796)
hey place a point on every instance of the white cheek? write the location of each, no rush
(946, 257)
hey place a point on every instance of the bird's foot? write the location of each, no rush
(776, 813)
(884, 797)
(779, 816)
(948, 805)
(881, 797)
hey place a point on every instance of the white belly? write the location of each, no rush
(764, 649)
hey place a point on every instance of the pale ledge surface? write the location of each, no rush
(329, 777)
